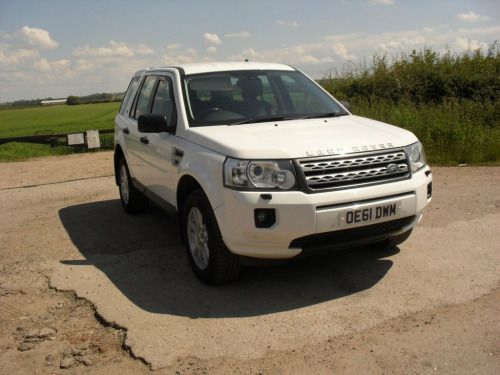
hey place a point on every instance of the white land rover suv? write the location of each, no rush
(260, 162)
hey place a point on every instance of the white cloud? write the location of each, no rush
(117, 49)
(386, 41)
(289, 24)
(17, 58)
(191, 52)
(472, 17)
(106, 67)
(84, 65)
(402, 43)
(299, 50)
(466, 44)
(494, 30)
(306, 54)
(389, 46)
(250, 54)
(380, 2)
(212, 38)
(44, 65)
(60, 64)
(112, 50)
(37, 38)
(341, 51)
(309, 59)
(243, 34)
(24, 73)
(4, 36)
(173, 46)
(186, 56)
(143, 49)
(183, 59)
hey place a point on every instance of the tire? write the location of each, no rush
(133, 201)
(394, 241)
(210, 259)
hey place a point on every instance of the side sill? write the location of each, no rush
(161, 203)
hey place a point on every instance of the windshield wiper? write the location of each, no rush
(254, 120)
(324, 115)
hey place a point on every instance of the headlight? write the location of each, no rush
(259, 174)
(417, 156)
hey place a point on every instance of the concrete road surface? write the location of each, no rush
(135, 271)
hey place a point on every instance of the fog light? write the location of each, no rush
(429, 190)
(264, 217)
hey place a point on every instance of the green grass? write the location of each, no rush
(453, 133)
(57, 119)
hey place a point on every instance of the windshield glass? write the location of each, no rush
(230, 98)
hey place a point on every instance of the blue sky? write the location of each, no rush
(57, 48)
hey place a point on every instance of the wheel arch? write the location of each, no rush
(185, 186)
(117, 157)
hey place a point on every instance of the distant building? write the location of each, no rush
(54, 102)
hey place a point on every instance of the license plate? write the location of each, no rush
(351, 216)
(370, 214)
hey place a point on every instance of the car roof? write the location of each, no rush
(206, 67)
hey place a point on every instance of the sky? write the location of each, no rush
(57, 48)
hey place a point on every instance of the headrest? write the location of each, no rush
(251, 87)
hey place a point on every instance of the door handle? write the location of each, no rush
(126, 131)
(144, 140)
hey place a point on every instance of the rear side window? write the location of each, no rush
(131, 88)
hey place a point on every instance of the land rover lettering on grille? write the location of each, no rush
(340, 151)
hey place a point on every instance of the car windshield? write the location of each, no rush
(243, 97)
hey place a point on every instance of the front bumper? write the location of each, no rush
(319, 220)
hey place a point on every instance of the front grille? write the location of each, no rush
(341, 172)
(356, 235)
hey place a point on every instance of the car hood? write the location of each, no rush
(300, 138)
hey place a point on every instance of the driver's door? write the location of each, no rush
(156, 150)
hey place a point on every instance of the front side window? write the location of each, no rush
(163, 101)
(131, 88)
(142, 104)
(239, 97)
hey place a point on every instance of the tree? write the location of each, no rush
(73, 100)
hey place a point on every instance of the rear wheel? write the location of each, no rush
(133, 201)
(210, 259)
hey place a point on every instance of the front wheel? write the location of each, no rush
(210, 259)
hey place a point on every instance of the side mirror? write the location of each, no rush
(346, 105)
(154, 123)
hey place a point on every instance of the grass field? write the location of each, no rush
(57, 119)
(453, 131)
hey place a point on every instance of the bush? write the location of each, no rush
(73, 100)
(424, 77)
(451, 102)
